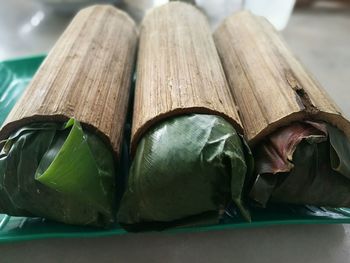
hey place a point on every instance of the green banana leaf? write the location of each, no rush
(304, 163)
(59, 172)
(185, 166)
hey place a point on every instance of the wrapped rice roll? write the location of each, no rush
(300, 138)
(62, 139)
(189, 158)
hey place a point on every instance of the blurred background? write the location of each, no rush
(318, 32)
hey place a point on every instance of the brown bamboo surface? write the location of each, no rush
(270, 86)
(86, 75)
(178, 70)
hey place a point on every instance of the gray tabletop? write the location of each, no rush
(319, 37)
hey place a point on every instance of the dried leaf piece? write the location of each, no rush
(317, 174)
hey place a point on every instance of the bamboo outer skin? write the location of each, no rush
(178, 70)
(270, 86)
(86, 75)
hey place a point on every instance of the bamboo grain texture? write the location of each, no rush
(178, 70)
(86, 75)
(270, 86)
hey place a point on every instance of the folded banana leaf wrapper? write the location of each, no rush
(62, 140)
(60, 172)
(298, 135)
(189, 161)
(303, 163)
(185, 166)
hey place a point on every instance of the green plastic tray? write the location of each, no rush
(14, 77)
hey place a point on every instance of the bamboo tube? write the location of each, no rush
(178, 70)
(86, 75)
(270, 86)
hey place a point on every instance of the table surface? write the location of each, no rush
(318, 36)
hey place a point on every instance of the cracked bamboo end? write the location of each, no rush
(270, 86)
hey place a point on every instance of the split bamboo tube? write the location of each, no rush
(86, 75)
(270, 86)
(178, 70)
